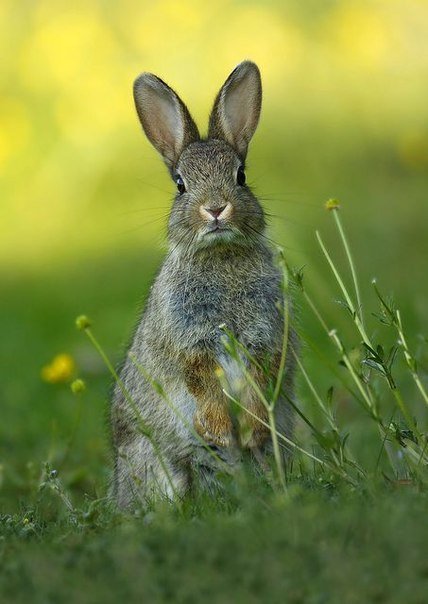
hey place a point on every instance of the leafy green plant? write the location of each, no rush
(366, 362)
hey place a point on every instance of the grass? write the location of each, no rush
(316, 545)
(347, 523)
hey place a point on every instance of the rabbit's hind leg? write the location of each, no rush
(254, 419)
(143, 475)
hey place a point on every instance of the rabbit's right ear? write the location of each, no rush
(164, 117)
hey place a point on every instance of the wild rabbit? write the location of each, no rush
(219, 271)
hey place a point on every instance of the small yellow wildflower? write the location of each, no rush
(60, 369)
(219, 372)
(332, 204)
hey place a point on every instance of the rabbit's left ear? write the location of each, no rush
(236, 110)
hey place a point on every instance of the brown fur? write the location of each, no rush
(211, 420)
(218, 271)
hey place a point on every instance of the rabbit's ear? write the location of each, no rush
(164, 117)
(236, 110)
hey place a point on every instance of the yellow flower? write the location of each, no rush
(60, 369)
(332, 204)
(219, 372)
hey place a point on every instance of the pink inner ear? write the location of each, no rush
(162, 121)
(241, 108)
(168, 122)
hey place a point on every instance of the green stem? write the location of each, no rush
(314, 391)
(276, 451)
(279, 434)
(342, 286)
(360, 326)
(367, 399)
(134, 407)
(409, 358)
(351, 263)
(365, 394)
(336, 469)
(158, 388)
(405, 412)
(285, 333)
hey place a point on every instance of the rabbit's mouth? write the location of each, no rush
(217, 233)
(218, 230)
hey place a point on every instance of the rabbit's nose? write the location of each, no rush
(215, 212)
(219, 212)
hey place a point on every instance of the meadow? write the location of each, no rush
(84, 204)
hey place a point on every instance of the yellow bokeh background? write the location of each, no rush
(74, 166)
(84, 197)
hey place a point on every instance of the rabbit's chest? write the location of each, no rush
(248, 307)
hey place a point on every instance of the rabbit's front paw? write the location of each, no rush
(214, 426)
(252, 433)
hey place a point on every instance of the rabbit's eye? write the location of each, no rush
(240, 176)
(180, 184)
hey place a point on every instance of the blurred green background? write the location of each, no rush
(84, 198)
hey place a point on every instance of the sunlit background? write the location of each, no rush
(84, 197)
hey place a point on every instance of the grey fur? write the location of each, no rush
(208, 278)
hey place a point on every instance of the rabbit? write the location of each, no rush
(170, 409)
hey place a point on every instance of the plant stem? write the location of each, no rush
(279, 434)
(276, 451)
(158, 388)
(285, 333)
(314, 391)
(409, 358)
(137, 411)
(342, 286)
(351, 263)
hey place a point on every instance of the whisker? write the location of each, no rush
(150, 185)
(143, 225)
(165, 209)
(296, 202)
(272, 241)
